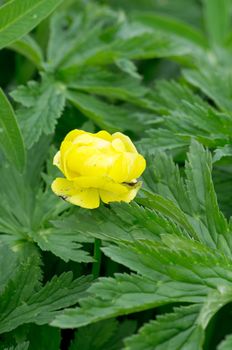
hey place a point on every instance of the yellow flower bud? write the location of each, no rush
(97, 166)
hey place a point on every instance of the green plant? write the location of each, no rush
(161, 264)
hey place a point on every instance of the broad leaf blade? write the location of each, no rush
(11, 138)
(19, 17)
(217, 19)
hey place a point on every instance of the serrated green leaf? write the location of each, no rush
(175, 331)
(124, 294)
(107, 335)
(11, 138)
(21, 304)
(193, 117)
(42, 104)
(124, 222)
(197, 211)
(108, 83)
(214, 80)
(19, 17)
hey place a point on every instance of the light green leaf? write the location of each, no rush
(193, 117)
(19, 17)
(108, 83)
(192, 204)
(175, 331)
(11, 138)
(214, 80)
(172, 27)
(124, 294)
(217, 20)
(222, 152)
(42, 104)
(124, 222)
(28, 47)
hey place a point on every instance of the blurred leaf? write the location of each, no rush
(108, 83)
(28, 47)
(43, 337)
(222, 152)
(11, 139)
(21, 346)
(226, 344)
(108, 116)
(173, 27)
(217, 20)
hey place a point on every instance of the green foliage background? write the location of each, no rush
(160, 71)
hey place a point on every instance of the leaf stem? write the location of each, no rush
(97, 256)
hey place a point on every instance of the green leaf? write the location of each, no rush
(43, 337)
(63, 239)
(108, 83)
(124, 222)
(124, 294)
(24, 302)
(226, 344)
(175, 270)
(108, 116)
(214, 80)
(193, 203)
(173, 27)
(175, 331)
(11, 139)
(28, 47)
(222, 152)
(193, 117)
(42, 104)
(21, 346)
(19, 17)
(107, 335)
(217, 20)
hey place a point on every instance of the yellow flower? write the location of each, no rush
(97, 166)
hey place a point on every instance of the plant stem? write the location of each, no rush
(97, 256)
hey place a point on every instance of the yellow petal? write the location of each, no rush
(57, 161)
(127, 167)
(65, 149)
(99, 182)
(118, 145)
(104, 135)
(129, 146)
(127, 197)
(136, 167)
(119, 170)
(89, 161)
(85, 198)
(72, 135)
